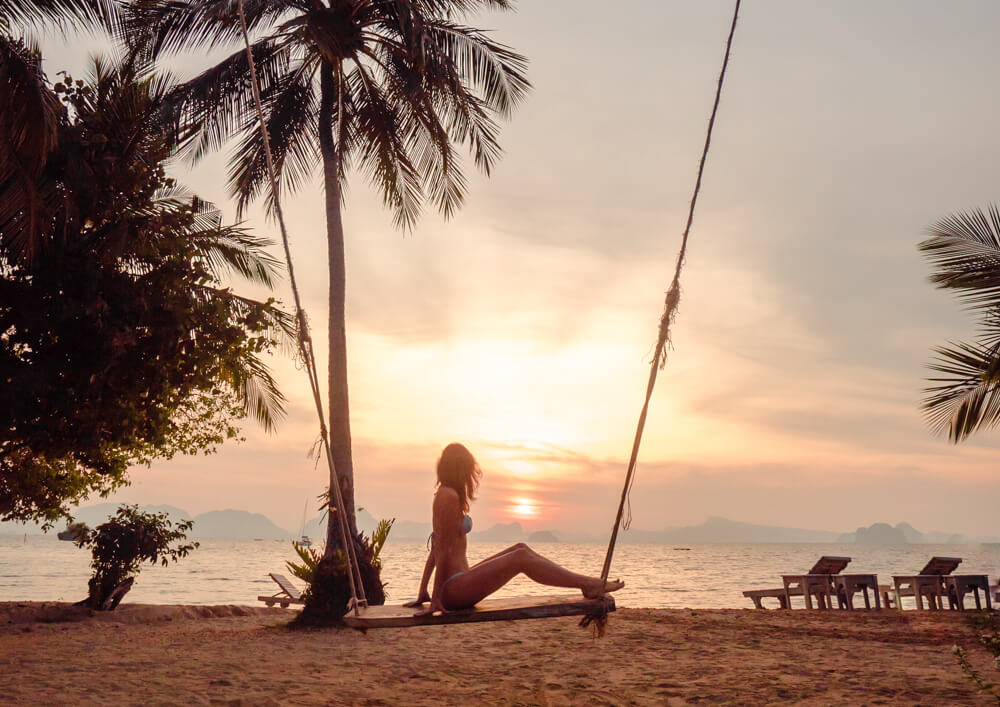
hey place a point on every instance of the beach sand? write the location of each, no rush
(55, 654)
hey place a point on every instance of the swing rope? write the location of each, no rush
(673, 298)
(303, 337)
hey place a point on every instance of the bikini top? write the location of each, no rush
(466, 528)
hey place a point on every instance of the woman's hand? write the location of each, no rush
(434, 608)
(419, 601)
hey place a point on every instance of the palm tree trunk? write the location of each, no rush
(340, 420)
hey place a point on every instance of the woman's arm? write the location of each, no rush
(422, 595)
(446, 510)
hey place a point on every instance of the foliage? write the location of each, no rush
(988, 626)
(310, 559)
(119, 341)
(964, 249)
(328, 593)
(130, 538)
(377, 541)
(399, 83)
(974, 676)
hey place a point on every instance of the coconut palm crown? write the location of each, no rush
(389, 88)
(31, 111)
(964, 249)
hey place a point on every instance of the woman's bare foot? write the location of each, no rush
(599, 588)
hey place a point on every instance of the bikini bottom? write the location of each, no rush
(445, 586)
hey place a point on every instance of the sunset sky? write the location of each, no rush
(523, 327)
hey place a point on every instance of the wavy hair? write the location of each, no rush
(457, 469)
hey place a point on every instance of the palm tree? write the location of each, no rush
(964, 249)
(387, 87)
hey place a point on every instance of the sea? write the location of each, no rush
(43, 568)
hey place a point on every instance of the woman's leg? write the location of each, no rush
(489, 575)
(518, 546)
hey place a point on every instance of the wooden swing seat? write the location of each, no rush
(511, 609)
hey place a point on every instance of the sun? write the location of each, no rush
(526, 508)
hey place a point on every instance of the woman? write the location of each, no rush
(458, 586)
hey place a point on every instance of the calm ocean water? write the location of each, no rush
(42, 568)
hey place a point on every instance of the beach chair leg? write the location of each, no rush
(975, 592)
(986, 594)
(783, 600)
(868, 603)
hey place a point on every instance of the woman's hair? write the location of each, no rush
(457, 469)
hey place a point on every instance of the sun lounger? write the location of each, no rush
(757, 595)
(956, 586)
(928, 584)
(847, 585)
(815, 583)
(818, 583)
(288, 594)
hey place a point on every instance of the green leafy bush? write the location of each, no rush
(120, 547)
(310, 559)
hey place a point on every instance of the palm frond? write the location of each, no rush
(964, 249)
(966, 396)
(289, 112)
(218, 103)
(495, 71)
(98, 12)
(232, 249)
(169, 26)
(261, 397)
(29, 119)
(383, 152)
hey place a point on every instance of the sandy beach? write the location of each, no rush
(55, 654)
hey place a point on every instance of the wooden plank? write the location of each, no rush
(489, 610)
(941, 565)
(829, 564)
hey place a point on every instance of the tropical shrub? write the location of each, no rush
(120, 546)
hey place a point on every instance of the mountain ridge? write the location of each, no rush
(241, 524)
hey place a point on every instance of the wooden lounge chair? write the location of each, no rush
(815, 583)
(956, 586)
(927, 584)
(758, 595)
(847, 585)
(288, 594)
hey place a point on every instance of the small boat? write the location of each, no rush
(304, 541)
(73, 532)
